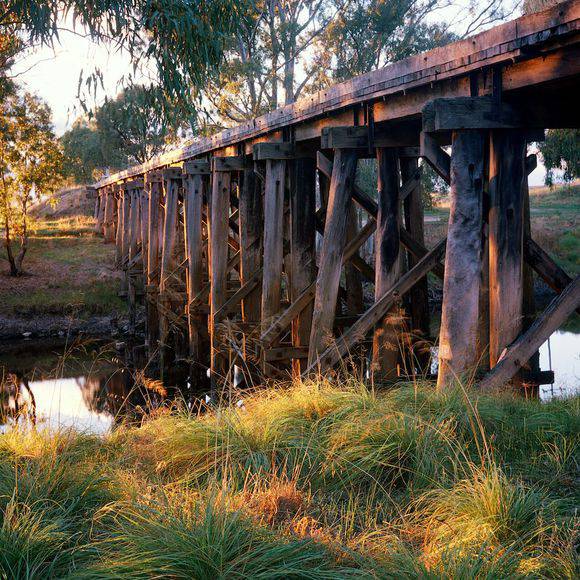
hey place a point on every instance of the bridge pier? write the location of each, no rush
(248, 261)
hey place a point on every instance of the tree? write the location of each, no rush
(561, 151)
(181, 42)
(86, 159)
(30, 167)
(133, 128)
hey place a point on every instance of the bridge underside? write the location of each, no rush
(261, 248)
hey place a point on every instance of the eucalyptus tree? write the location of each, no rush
(181, 41)
(31, 169)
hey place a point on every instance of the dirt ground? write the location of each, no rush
(70, 282)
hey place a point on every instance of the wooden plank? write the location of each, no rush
(109, 217)
(449, 114)
(460, 310)
(143, 222)
(302, 246)
(324, 165)
(168, 258)
(520, 351)
(286, 353)
(134, 223)
(279, 325)
(223, 164)
(358, 137)
(251, 218)
(172, 173)
(352, 269)
(197, 167)
(388, 263)
(438, 159)
(418, 304)
(506, 180)
(263, 151)
(327, 283)
(357, 332)
(230, 306)
(194, 194)
(152, 261)
(273, 239)
(218, 241)
(119, 233)
(126, 208)
(554, 276)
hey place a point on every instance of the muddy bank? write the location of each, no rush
(42, 326)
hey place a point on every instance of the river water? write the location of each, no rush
(90, 385)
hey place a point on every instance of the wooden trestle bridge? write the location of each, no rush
(245, 246)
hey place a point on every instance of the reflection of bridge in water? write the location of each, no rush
(245, 246)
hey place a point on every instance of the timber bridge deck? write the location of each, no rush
(245, 246)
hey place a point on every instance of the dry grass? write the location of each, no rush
(69, 270)
(306, 481)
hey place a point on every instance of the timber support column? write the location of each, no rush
(153, 182)
(274, 190)
(460, 310)
(119, 195)
(171, 178)
(302, 248)
(251, 220)
(418, 302)
(218, 271)
(328, 279)
(109, 219)
(196, 176)
(507, 175)
(388, 262)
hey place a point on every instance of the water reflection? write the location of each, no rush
(94, 386)
(561, 353)
(91, 387)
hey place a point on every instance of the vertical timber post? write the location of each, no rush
(218, 242)
(109, 223)
(506, 181)
(153, 183)
(167, 264)
(419, 295)
(388, 263)
(250, 223)
(302, 247)
(460, 310)
(119, 194)
(273, 239)
(328, 279)
(194, 194)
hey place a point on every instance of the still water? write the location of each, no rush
(90, 385)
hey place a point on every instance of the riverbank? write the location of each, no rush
(303, 482)
(70, 286)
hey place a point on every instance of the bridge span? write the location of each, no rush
(245, 247)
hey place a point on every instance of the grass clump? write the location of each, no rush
(303, 481)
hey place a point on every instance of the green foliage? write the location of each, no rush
(368, 34)
(561, 151)
(182, 41)
(130, 126)
(31, 167)
(85, 156)
(125, 130)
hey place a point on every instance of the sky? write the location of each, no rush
(53, 74)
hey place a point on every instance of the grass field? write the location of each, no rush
(70, 271)
(555, 220)
(307, 481)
